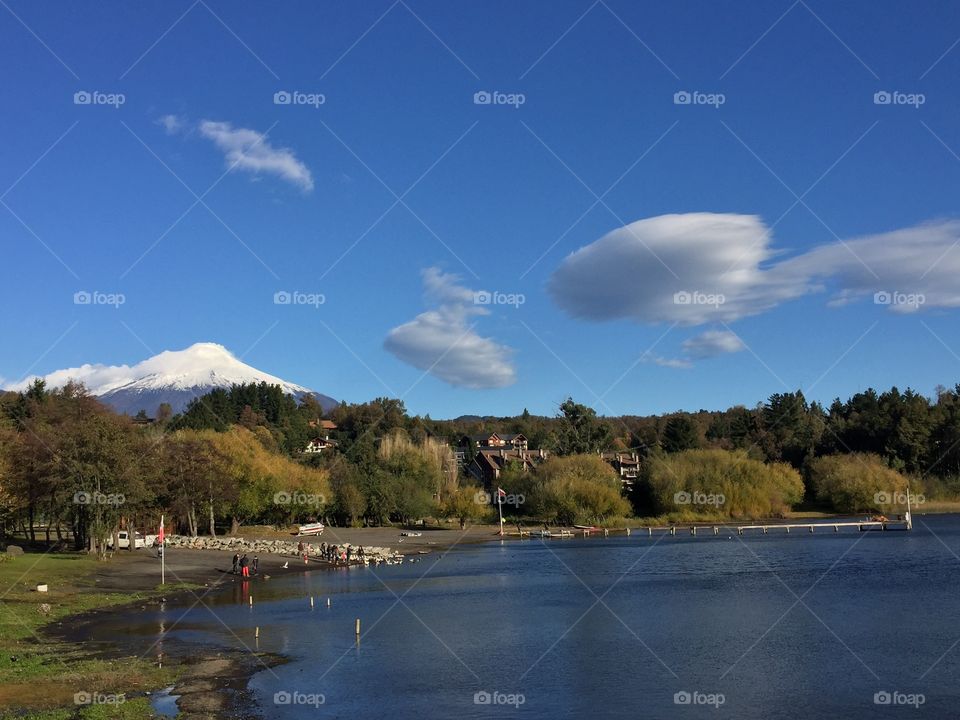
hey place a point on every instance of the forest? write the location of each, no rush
(75, 472)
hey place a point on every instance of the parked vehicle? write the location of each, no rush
(124, 538)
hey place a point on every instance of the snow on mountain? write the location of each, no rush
(173, 376)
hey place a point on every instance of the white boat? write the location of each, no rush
(310, 529)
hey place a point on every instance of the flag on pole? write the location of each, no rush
(160, 535)
(501, 493)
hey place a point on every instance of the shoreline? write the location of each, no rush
(214, 684)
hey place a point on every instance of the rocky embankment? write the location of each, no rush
(371, 555)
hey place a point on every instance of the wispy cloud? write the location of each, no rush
(442, 341)
(172, 123)
(712, 343)
(698, 268)
(249, 150)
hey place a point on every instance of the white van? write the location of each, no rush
(123, 540)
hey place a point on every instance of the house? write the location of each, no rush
(319, 444)
(627, 465)
(490, 462)
(512, 441)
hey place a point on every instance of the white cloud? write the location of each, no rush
(172, 123)
(96, 378)
(680, 363)
(712, 343)
(443, 342)
(702, 267)
(249, 150)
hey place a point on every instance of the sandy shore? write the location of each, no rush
(130, 571)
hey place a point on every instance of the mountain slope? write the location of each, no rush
(175, 377)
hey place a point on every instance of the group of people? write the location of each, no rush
(246, 566)
(335, 554)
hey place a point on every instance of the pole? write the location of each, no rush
(163, 554)
(500, 509)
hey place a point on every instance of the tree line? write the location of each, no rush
(72, 470)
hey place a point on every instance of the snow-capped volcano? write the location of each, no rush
(173, 376)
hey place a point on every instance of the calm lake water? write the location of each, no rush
(756, 627)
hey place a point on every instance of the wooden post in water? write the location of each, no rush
(358, 627)
(649, 532)
(256, 633)
(811, 527)
(693, 530)
(311, 602)
(251, 601)
(673, 530)
(716, 530)
(328, 602)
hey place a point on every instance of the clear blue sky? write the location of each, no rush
(104, 198)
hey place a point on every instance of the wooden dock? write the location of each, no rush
(764, 529)
(900, 524)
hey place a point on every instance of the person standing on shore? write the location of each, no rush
(349, 550)
(244, 566)
(236, 563)
(361, 556)
(256, 563)
(323, 549)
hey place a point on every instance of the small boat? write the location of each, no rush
(310, 529)
(585, 527)
(410, 533)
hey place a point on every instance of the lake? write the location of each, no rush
(852, 625)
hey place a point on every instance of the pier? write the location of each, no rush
(902, 523)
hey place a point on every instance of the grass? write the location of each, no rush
(39, 676)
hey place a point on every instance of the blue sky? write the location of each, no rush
(787, 188)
